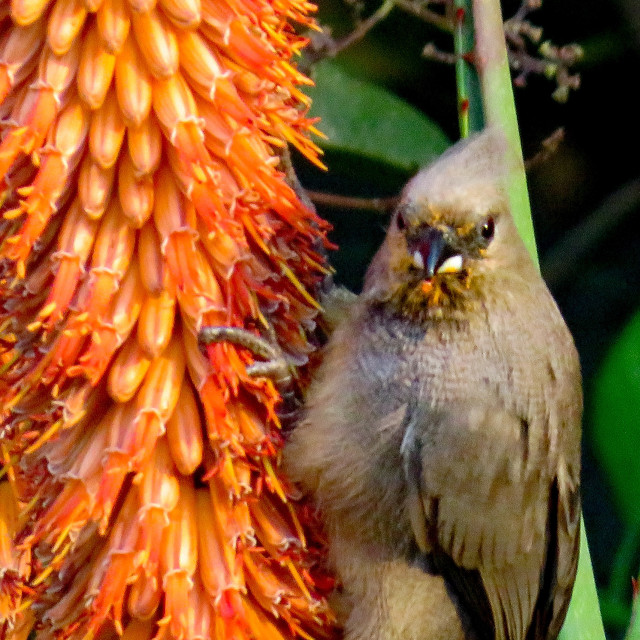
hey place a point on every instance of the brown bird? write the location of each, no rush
(441, 438)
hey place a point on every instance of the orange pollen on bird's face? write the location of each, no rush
(420, 298)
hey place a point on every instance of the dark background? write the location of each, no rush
(591, 183)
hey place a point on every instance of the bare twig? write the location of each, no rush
(419, 9)
(323, 46)
(432, 52)
(549, 147)
(551, 61)
(379, 205)
(385, 205)
(562, 261)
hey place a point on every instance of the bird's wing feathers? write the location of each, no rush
(475, 495)
(563, 547)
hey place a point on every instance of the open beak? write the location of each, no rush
(431, 253)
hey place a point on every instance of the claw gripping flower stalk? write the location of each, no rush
(141, 200)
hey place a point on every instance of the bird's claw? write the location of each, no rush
(274, 365)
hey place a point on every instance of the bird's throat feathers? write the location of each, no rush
(440, 297)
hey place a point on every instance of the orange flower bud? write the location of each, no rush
(128, 371)
(200, 61)
(71, 129)
(193, 272)
(157, 42)
(200, 614)
(231, 513)
(180, 541)
(156, 322)
(274, 531)
(128, 303)
(65, 22)
(247, 421)
(133, 84)
(17, 53)
(224, 249)
(261, 624)
(159, 494)
(145, 147)
(110, 260)
(185, 14)
(8, 528)
(117, 566)
(106, 132)
(158, 485)
(77, 233)
(174, 103)
(219, 569)
(74, 246)
(144, 596)
(113, 22)
(26, 12)
(150, 260)
(95, 70)
(136, 196)
(184, 432)
(169, 211)
(265, 581)
(57, 72)
(161, 387)
(114, 243)
(94, 187)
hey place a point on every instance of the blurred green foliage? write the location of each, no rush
(362, 118)
(616, 419)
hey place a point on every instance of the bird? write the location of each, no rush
(440, 437)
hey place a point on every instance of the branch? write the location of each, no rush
(379, 205)
(563, 260)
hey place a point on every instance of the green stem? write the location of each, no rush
(470, 112)
(492, 66)
(495, 93)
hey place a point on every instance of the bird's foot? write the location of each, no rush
(274, 365)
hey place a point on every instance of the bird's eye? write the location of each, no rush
(488, 228)
(401, 221)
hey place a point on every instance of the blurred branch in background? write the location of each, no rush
(379, 205)
(564, 259)
(549, 60)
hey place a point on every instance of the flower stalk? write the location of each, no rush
(143, 197)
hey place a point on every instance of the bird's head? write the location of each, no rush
(451, 235)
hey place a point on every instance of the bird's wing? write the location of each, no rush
(479, 496)
(562, 560)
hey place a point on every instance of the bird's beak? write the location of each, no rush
(431, 253)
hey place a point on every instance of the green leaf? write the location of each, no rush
(583, 621)
(616, 421)
(362, 118)
(633, 632)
